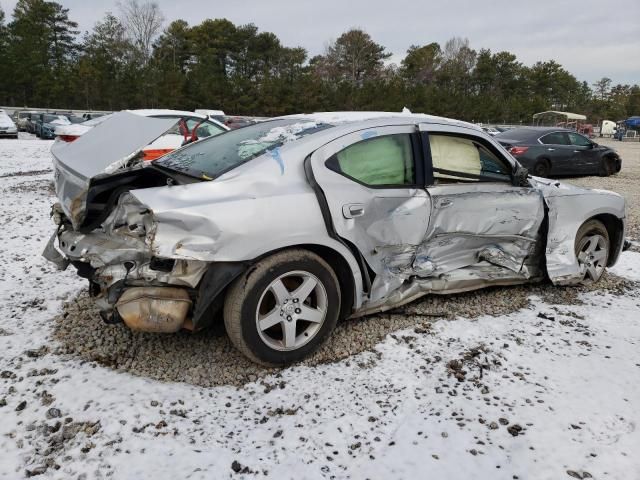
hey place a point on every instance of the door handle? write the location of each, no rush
(445, 203)
(353, 210)
(551, 149)
(577, 151)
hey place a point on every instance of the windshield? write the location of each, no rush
(214, 156)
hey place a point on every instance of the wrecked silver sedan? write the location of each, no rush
(286, 226)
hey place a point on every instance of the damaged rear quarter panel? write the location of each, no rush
(256, 208)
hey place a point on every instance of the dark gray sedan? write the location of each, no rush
(550, 151)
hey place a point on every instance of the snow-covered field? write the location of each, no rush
(547, 392)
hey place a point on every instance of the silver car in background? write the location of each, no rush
(286, 226)
(7, 127)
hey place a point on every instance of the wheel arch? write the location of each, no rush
(614, 159)
(214, 284)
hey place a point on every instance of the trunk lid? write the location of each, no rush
(102, 150)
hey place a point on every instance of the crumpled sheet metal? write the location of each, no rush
(503, 233)
(108, 255)
(232, 218)
(568, 208)
(482, 274)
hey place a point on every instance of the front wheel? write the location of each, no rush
(283, 308)
(592, 250)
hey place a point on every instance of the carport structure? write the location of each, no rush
(553, 118)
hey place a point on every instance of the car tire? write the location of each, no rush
(542, 168)
(268, 322)
(592, 248)
(606, 167)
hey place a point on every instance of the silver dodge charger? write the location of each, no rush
(284, 227)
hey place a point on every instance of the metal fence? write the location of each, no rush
(11, 110)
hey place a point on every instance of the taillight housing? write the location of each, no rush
(515, 151)
(68, 138)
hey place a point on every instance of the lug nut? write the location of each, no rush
(288, 318)
(298, 310)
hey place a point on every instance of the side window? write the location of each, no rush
(206, 129)
(555, 138)
(457, 159)
(579, 140)
(384, 160)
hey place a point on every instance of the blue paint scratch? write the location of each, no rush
(369, 134)
(275, 154)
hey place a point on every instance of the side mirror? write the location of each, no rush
(594, 145)
(520, 176)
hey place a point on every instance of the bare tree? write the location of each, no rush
(143, 22)
(458, 52)
(602, 88)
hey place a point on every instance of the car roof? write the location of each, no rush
(528, 133)
(369, 118)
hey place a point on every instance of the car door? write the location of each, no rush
(558, 149)
(373, 184)
(586, 158)
(482, 228)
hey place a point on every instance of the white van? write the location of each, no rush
(608, 128)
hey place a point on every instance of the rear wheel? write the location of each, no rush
(542, 168)
(284, 308)
(592, 250)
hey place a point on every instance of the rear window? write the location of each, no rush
(215, 155)
(555, 138)
(518, 135)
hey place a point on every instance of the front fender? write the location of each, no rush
(567, 213)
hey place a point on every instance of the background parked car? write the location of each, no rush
(7, 127)
(46, 124)
(30, 124)
(21, 118)
(549, 151)
(491, 130)
(190, 127)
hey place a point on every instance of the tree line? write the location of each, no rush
(130, 59)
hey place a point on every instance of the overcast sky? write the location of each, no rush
(590, 38)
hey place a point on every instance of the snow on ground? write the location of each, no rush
(548, 392)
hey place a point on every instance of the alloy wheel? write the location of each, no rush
(291, 310)
(592, 256)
